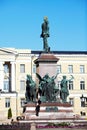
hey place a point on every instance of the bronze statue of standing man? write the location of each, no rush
(45, 34)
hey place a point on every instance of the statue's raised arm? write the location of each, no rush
(70, 78)
(54, 77)
(39, 77)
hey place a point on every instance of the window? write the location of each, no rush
(6, 86)
(71, 101)
(22, 85)
(22, 68)
(70, 85)
(59, 68)
(83, 102)
(82, 85)
(34, 69)
(82, 69)
(70, 69)
(7, 102)
(22, 102)
(6, 69)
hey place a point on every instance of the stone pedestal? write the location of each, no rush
(49, 111)
(46, 63)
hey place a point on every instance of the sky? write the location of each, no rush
(20, 24)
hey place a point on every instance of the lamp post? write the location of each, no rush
(83, 101)
(83, 104)
(0, 93)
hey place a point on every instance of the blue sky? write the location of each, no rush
(20, 24)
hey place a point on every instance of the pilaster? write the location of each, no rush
(1, 74)
(13, 88)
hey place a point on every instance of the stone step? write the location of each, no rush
(32, 111)
(49, 104)
(50, 115)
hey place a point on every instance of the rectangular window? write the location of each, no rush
(22, 102)
(6, 86)
(82, 85)
(59, 68)
(70, 69)
(22, 68)
(82, 103)
(82, 69)
(70, 85)
(71, 101)
(6, 68)
(7, 102)
(22, 85)
(34, 69)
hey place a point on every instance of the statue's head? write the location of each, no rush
(28, 77)
(45, 18)
(46, 76)
(64, 77)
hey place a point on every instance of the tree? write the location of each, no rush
(9, 113)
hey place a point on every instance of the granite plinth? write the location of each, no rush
(46, 63)
(49, 111)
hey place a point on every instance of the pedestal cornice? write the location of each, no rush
(46, 57)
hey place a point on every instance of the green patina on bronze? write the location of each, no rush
(45, 34)
(30, 89)
(64, 92)
(47, 88)
(53, 109)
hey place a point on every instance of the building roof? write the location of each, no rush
(61, 52)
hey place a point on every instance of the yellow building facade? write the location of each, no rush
(15, 64)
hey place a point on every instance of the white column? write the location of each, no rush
(13, 88)
(1, 75)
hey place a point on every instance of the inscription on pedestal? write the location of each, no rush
(52, 109)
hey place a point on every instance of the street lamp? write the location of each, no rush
(83, 104)
(0, 92)
(83, 101)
